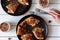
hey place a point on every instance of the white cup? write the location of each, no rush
(9, 26)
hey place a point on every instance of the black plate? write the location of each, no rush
(20, 10)
(41, 24)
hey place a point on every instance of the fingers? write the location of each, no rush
(56, 12)
(53, 15)
(52, 11)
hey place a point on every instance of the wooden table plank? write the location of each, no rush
(54, 1)
(15, 38)
(53, 39)
(54, 31)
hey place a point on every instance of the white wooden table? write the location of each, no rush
(54, 28)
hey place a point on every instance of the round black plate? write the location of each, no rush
(20, 10)
(42, 24)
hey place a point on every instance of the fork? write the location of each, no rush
(41, 11)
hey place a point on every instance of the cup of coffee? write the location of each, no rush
(43, 3)
(5, 26)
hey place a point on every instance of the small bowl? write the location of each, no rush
(44, 6)
(5, 26)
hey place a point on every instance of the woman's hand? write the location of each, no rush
(55, 14)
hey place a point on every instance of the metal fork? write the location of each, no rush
(41, 11)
